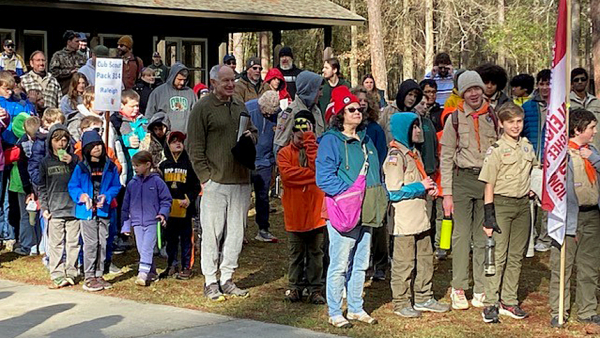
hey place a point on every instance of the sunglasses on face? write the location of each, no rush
(354, 110)
(231, 63)
(579, 79)
(257, 68)
(10, 46)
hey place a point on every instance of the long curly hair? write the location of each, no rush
(73, 94)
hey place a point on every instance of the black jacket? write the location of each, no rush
(406, 87)
(290, 78)
(180, 177)
(144, 89)
(54, 179)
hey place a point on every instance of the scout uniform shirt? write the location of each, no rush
(466, 146)
(507, 166)
(585, 189)
(409, 215)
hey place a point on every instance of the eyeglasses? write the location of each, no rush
(579, 79)
(257, 68)
(354, 110)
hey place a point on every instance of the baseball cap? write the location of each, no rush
(156, 55)
(228, 58)
(82, 36)
(176, 134)
(9, 42)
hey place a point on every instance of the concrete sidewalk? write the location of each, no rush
(36, 311)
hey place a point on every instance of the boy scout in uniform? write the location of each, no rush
(506, 172)
(468, 133)
(408, 186)
(583, 222)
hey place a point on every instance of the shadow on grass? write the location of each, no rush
(9, 257)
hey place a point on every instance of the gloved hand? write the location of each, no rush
(489, 220)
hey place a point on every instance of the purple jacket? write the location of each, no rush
(145, 198)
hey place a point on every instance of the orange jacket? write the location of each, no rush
(109, 151)
(302, 199)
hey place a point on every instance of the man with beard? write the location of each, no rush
(249, 86)
(11, 60)
(174, 97)
(132, 65)
(160, 70)
(288, 69)
(442, 73)
(66, 61)
(333, 78)
(41, 80)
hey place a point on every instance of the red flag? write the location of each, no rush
(554, 195)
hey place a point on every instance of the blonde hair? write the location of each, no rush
(129, 95)
(89, 120)
(88, 97)
(32, 124)
(509, 110)
(52, 115)
(6, 78)
(148, 71)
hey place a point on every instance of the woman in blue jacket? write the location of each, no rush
(339, 161)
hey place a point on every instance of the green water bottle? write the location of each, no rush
(446, 233)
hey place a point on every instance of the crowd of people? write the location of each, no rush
(365, 181)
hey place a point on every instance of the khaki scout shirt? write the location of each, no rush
(409, 216)
(587, 193)
(466, 154)
(507, 166)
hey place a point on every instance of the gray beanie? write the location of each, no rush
(469, 79)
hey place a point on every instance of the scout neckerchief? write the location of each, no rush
(589, 168)
(475, 115)
(414, 156)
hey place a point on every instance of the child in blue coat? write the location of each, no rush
(93, 185)
(147, 201)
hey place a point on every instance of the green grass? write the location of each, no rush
(262, 270)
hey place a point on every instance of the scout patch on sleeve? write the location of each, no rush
(489, 151)
(393, 159)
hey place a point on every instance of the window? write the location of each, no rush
(32, 41)
(6, 34)
(110, 41)
(189, 51)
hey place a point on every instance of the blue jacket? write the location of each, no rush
(38, 152)
(14, 107)
(145, 198)
(532, 125)
(266, 133)
(377, 135)
(81, 183)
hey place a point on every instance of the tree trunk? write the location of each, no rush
(576, 34)
(238, 50)
(378, 67)
(408, 62)
(595, 16)
(265, 52)
(501, 47)
(354, 49)
(429, 41)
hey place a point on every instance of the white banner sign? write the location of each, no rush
(109, 79)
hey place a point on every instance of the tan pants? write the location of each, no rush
(63, 236)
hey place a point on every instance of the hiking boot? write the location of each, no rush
(230, 289)
(106, 285)
(459, 300)
(440, 254)
(213, 293)
(379, 276)
(408, 312)
(293, 296)
(595, 319)
(513, 311)
(317, 298)
(432, 305)
(541, 247)
(92, 285)
(478, 299)
(185, 274)
(490, 314)
(265, 236)
(362, 317)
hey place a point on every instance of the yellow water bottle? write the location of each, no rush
(446, 233)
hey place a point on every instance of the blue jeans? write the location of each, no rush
(355, 247)
(261, 179)
(6, 230)
(29, 235)
(112, 232)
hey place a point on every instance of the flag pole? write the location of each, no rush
(563, 251)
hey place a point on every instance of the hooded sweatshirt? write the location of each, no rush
(275, 73)
(265, 157)
(307, 85)
(145, 198)
(179, 175)
(157, 146)
(176, 103)
(54, 179)
(403, 178)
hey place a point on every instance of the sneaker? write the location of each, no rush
(21, 252)
(408, 312)
(440, 254)
(317, 298)
(554, 322)
(340, 322)
(230, 289)
(213, 293)
(293, 296)
(459, 300)
(92, 285)
(432, 305)
(265, 236)
(379, 276)
(106, 285)
(541, 247)
(513, 311)
(362, 317)
(478, 299)
(595, 319)
(118, 250)
(169, 272)
(185, 274)
(141, 281)
(71, 280)
(59, 282)
(9, 245)
(110, 268)
(490, 314)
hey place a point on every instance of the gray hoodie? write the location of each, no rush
(307, 92)
(176, 103)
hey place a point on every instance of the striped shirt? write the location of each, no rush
(444, 86)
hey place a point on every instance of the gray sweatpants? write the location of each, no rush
(94, 233)
(223, 212)
(63, 236)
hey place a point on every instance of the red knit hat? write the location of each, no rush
(341, 97)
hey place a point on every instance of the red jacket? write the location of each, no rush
(302, 200)
(275, 73)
